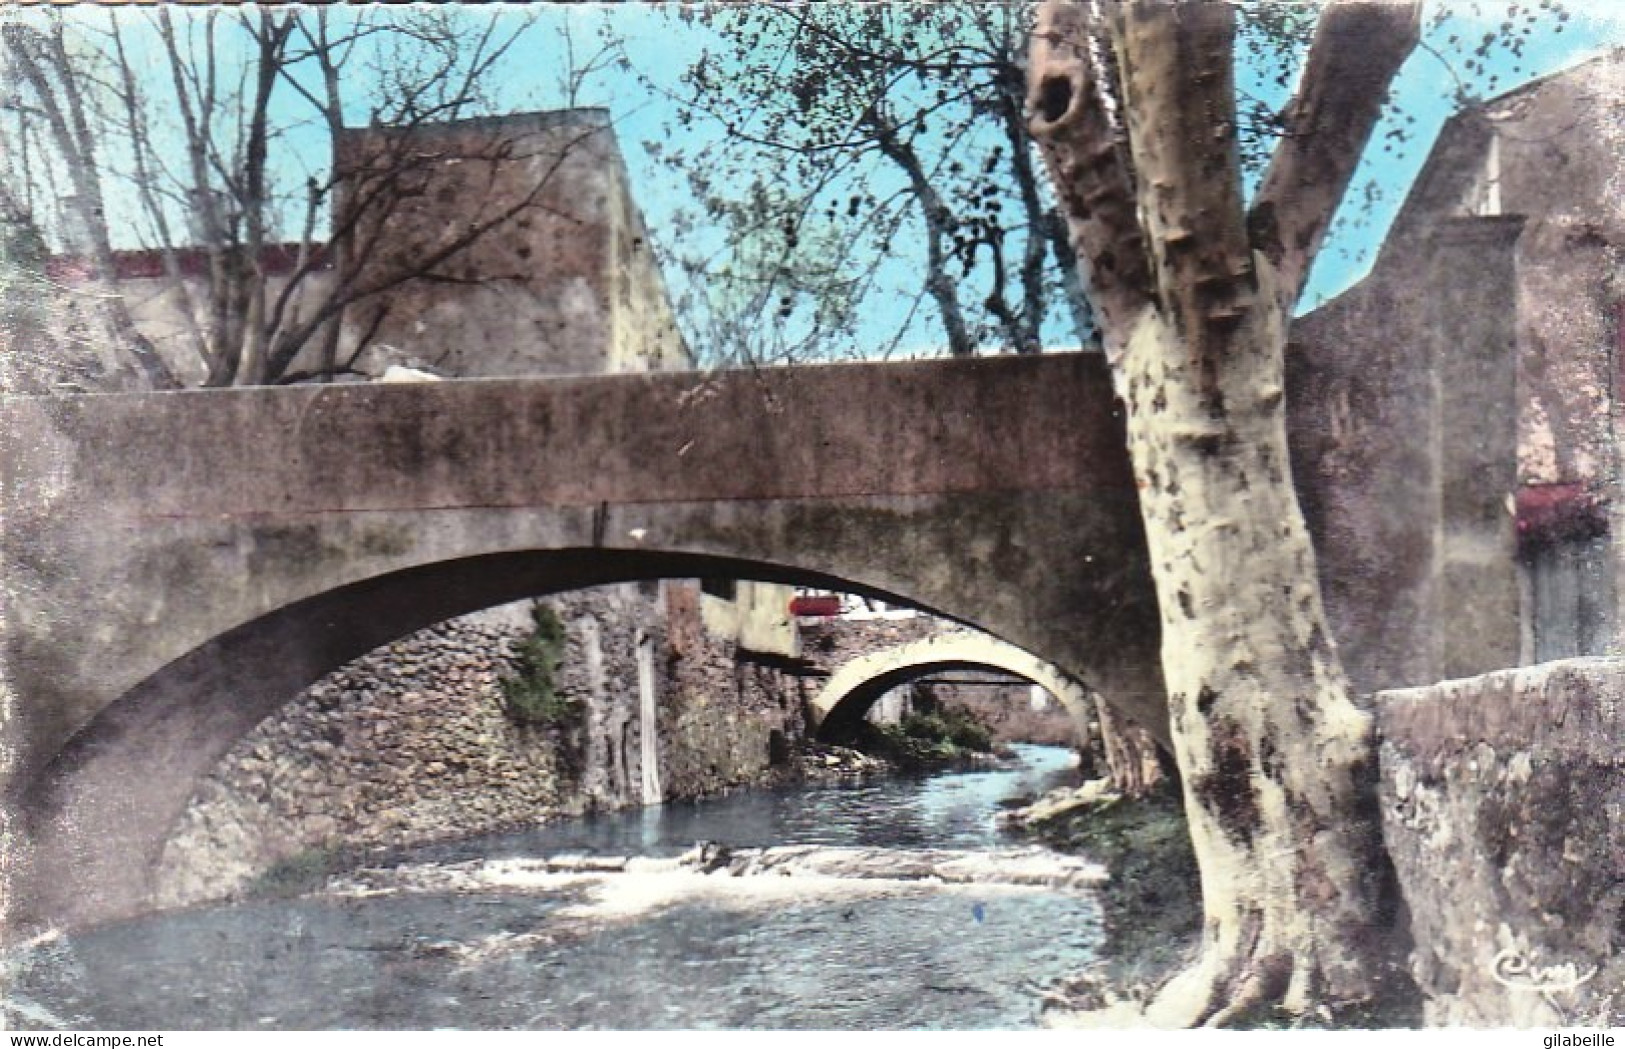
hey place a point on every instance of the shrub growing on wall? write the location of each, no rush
(530, 695)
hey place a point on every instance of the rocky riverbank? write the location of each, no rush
(1151, 898)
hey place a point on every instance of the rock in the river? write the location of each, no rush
(1095, 793)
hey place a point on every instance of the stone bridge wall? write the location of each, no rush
(177, 565)
(1504, 809)
(1005, 708)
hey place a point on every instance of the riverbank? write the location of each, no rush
(1152, 900)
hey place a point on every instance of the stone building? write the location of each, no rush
(1461, 403)
(564, 281)
(503, 246)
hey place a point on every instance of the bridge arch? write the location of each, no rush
(102, 808)
(855, 687)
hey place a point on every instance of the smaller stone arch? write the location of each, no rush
(857, 684)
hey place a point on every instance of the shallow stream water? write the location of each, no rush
(621, 951)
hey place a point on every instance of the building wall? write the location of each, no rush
(564, 281)
(1478, 362)
(1551, 153)
(1559, 146)
(756, 616)
(644, 335)
(566, 285)
(1403, 411)
(171, 315)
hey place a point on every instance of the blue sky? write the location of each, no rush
(1424, 97)
(660, 47)
(1425, 91)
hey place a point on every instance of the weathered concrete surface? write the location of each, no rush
(178, 565)
(1504, 809)
(853, 689)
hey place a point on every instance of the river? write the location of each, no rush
(398, 948)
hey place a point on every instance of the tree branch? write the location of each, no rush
(1179, 99)
(1358, 48)
(1091, 171)
(146, 183)
(942, 288)
(350, 289)
(71, 132)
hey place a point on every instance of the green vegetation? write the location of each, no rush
(530, 694)
(936, 735)
(953, 725)
(303, 872)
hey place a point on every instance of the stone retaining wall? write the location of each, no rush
(1504, 810)
(410, 744)
(729, 719)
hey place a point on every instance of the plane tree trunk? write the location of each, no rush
(1194, 295)
(1132, 757)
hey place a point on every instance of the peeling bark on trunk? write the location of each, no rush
(1275, 756)
(1132, 765)
(1276, 760)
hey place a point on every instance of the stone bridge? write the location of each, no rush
(855, 687)
(179, 564)
(176, 565)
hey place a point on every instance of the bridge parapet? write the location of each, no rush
(1502, 800)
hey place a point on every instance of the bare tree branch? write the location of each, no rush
(350, 290)
(942, 287)
(146, 184)
(71, 132)
(1358, 48)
